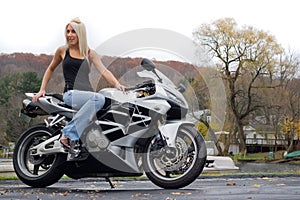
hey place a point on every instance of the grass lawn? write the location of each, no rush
(263, 156)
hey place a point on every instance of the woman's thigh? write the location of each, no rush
(77, 98)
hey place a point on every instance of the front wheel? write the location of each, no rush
(33, 170)
(173, 168)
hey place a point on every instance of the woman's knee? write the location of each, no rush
(99, 100)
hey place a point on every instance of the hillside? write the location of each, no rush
(22, 62)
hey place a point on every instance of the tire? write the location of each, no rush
(180, 167)
(36, 171)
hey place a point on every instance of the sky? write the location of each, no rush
(34, 26)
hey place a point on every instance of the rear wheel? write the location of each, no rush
(33, 170)
(173, 168)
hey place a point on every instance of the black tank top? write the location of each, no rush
(76, 73)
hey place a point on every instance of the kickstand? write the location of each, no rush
(110, 183)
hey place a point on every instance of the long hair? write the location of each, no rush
(80, 30)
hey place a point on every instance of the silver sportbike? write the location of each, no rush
(141, 132)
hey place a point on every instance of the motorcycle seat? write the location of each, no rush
(60, 98)
(56, 95)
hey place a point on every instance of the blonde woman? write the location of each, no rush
(77, 58)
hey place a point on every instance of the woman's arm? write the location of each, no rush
(57, 58)
(95, 59)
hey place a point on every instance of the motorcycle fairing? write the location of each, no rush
(169, 130)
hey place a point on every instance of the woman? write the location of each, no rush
(76, 58)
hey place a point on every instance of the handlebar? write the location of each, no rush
(141, 85)
(130, 88)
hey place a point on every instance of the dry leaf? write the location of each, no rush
(169, 198)
(231, 184)
(64, 193)
(138, 195)
(280, 184)
(181, 193)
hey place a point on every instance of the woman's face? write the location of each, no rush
(72, 38)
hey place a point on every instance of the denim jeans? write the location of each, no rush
(87, 103)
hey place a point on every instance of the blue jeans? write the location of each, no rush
(87, 103)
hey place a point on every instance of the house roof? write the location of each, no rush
(263, 128)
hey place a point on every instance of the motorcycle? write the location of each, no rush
(141, 132)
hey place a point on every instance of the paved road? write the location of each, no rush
(205, 187)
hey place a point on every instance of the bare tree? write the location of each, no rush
(282, 101)
(242, 55)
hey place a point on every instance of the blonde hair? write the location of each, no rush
(80, 30)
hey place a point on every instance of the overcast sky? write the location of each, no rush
(37, 26)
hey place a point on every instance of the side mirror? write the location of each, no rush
(181, 88)
(148, 64)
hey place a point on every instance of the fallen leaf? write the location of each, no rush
(256, 185)
(138, 195)
(181, 193)
(4, 192)
(280, 184)
(169, 198)
(231, 184)
(64, 193)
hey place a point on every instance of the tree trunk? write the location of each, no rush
(227, 144)
(230, 136)
(291, 145)
(242, 138)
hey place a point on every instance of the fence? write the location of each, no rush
(264, 145)
(267, 142)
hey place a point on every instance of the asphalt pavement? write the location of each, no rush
(255, 181)
(205, 187)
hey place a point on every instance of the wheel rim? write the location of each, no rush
(34, 166)
(172, 164)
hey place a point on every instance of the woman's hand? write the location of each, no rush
(120, 87)
(36, 97)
